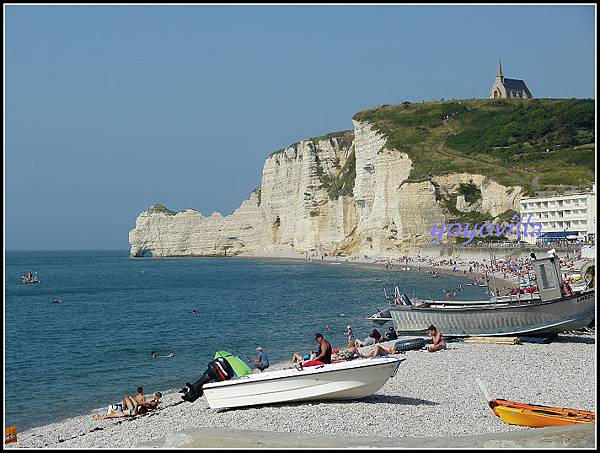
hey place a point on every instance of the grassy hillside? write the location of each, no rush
(540, 144)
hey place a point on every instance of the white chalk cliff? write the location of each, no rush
(304, 204)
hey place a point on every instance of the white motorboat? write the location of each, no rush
(337, 381)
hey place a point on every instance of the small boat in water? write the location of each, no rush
(514, 413)
(337, 381)
(29, 278)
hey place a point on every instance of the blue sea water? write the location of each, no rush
(94, 346)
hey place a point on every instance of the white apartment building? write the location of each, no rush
(562, 215)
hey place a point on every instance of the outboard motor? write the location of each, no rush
(217, 370)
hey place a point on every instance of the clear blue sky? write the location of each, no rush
(111, 109)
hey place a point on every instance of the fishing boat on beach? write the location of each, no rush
(555, 309)
(383, 316)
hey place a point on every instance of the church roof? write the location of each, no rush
(516, 85)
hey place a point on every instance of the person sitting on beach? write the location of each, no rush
(374, 337)
(437, 337)
(297, 357)
(390, 335)
(261, 361)
(323, 355)
(140, 398)
(152, 403)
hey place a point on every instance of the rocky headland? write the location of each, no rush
(375, 190)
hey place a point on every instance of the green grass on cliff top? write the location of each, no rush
(539, 144)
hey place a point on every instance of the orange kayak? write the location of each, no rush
(534, 416)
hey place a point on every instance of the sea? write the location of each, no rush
(82, 337)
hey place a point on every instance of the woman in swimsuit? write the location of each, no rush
(129, 408)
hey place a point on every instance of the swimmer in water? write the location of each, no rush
(154, 355)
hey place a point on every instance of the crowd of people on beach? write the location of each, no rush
(490, 272)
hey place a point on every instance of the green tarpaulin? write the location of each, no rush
(238, 365)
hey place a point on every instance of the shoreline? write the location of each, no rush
(494, 279)
(170, 395)
(432, 396)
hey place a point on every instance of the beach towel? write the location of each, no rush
(114, 408)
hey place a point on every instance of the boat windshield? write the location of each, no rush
(548, 278)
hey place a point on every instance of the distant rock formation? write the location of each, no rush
(343, 193)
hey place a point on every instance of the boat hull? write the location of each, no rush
(518, 318)
(345, 380)
(521, 414)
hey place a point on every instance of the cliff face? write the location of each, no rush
(300, 206)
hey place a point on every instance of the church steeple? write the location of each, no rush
(499, 71)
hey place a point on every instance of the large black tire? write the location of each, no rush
(410, 344)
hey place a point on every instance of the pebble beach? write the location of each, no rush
(432, 395)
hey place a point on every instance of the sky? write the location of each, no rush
(110, 109)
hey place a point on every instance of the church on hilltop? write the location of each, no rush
(504, 88)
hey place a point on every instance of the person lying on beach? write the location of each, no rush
(130, 407)
(437, 337)
(349, 353)
(376, 351)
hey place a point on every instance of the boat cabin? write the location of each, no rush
(549, 280)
